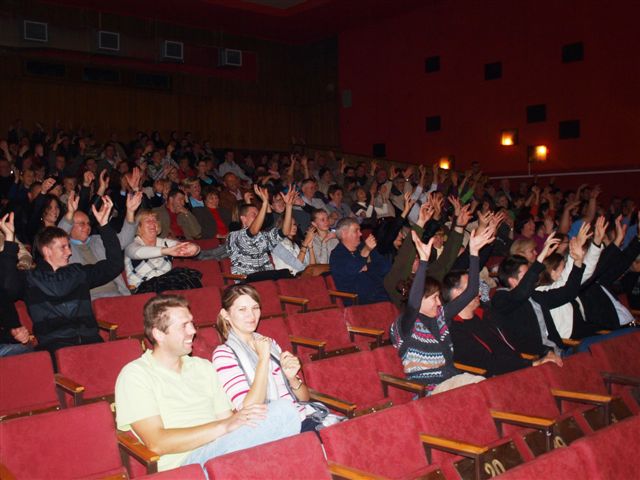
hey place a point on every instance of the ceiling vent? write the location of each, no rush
(109, 41)
(173, 51)
(228, 57)
(36, 31)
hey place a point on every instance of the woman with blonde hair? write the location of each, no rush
(252, 368)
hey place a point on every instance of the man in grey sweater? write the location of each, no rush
(88, 249)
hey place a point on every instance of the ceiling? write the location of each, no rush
(290, 21)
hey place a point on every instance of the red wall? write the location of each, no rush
(383, 66)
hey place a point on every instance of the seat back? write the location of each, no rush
(205, 304)
(560, 463)
(27, 384)
(188, 472)
(72, 443)
(211, 275)
(96, 366)
(277, 329)
(579, 373)
(205, 342)
(325, 325)
(207, 243)
(125, 311)
(369, 442)
(609, 453)
(388, 361)
(299, 456)
(618, 354)
(270, 305)
(374, 315)
(353, 378)
(312, 288)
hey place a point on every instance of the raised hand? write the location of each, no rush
(102, 215)
(133, 201)
(371, 242)
(289, 197)
(424, 250)
(72, 203)
(247, 197)
(584, 234)
(479, 240)
(409, 202)
(456, 204)
(425, 214)
(308, 238)
(48, 185)
(600, 230)
(133, 178)
(7, 227)
(262, 193)
(484, 218)
(465, 215)
(550, 245)
(621, 231)
(103, 182)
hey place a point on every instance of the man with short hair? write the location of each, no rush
(175, 220)
(175, 403)
(249, 247)
(357, 267)
(87, 249)
(57, 293)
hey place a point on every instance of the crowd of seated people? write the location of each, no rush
(83, 220)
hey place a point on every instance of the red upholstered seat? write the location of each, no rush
(97, 366)
(325, 325)
(461, 414)
(388, 361)
(205, 342)
(560, 463)
(299, 456)
(525, 392)
(277, 329)
(211, 274)
(371, 441)
(611, 453)
(188, 472)
(374, 315)
(207, 243)
(619, 355)
(205, 304)
(312, 288)
(270, 305)
(352, 378)
(27, 384)
(123, 311)
(72, 443)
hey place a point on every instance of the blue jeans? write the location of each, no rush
(587, 342)
(7, 349)
(283, 420)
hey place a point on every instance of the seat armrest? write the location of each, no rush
(297, 341)
(470, 369)
(376, 333)
(603, 332)
(528, 421)
(5, 473)
(301, 302)
(582, 397)
(529, 356)
(346, 295)
(619, 379)
(66, 385)
(111, 328)
(570, 342)
(232, 276)
(132, 447)
(401, 383)
(341, 406)
(455, 447)
(349, 473)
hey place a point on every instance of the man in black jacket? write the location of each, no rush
(524, 313)
(56, 292)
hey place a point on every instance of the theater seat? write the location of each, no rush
(564, 463)
(270, 305)
(369, 442)
(309, 293)
(73, 443)
(391, 372)
(27, 385)
(205, 304)
(205, 342)
(89, 372)
(276, 328)
(348, 384)
(188, 472)
(210, 269)
(121, 317)
(374, 315)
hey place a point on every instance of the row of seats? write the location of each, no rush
(461, 422)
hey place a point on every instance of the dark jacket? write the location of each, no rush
(58, 301)
(207, 222)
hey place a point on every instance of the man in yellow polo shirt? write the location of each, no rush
(175, 404)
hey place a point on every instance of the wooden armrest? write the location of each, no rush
(350, 473)
(68, 385)
(138, 450)
(347, 408)
(581, 397)
(348, 295)
(603, 332)
(307, 342)
(470, 368)
(401, 383)
(570, 342)
(302, 302)
(452, 446)
(369, 332)
(528, 421)
(233, 276)
(5, 473)
(529, 356)
(112, 328)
